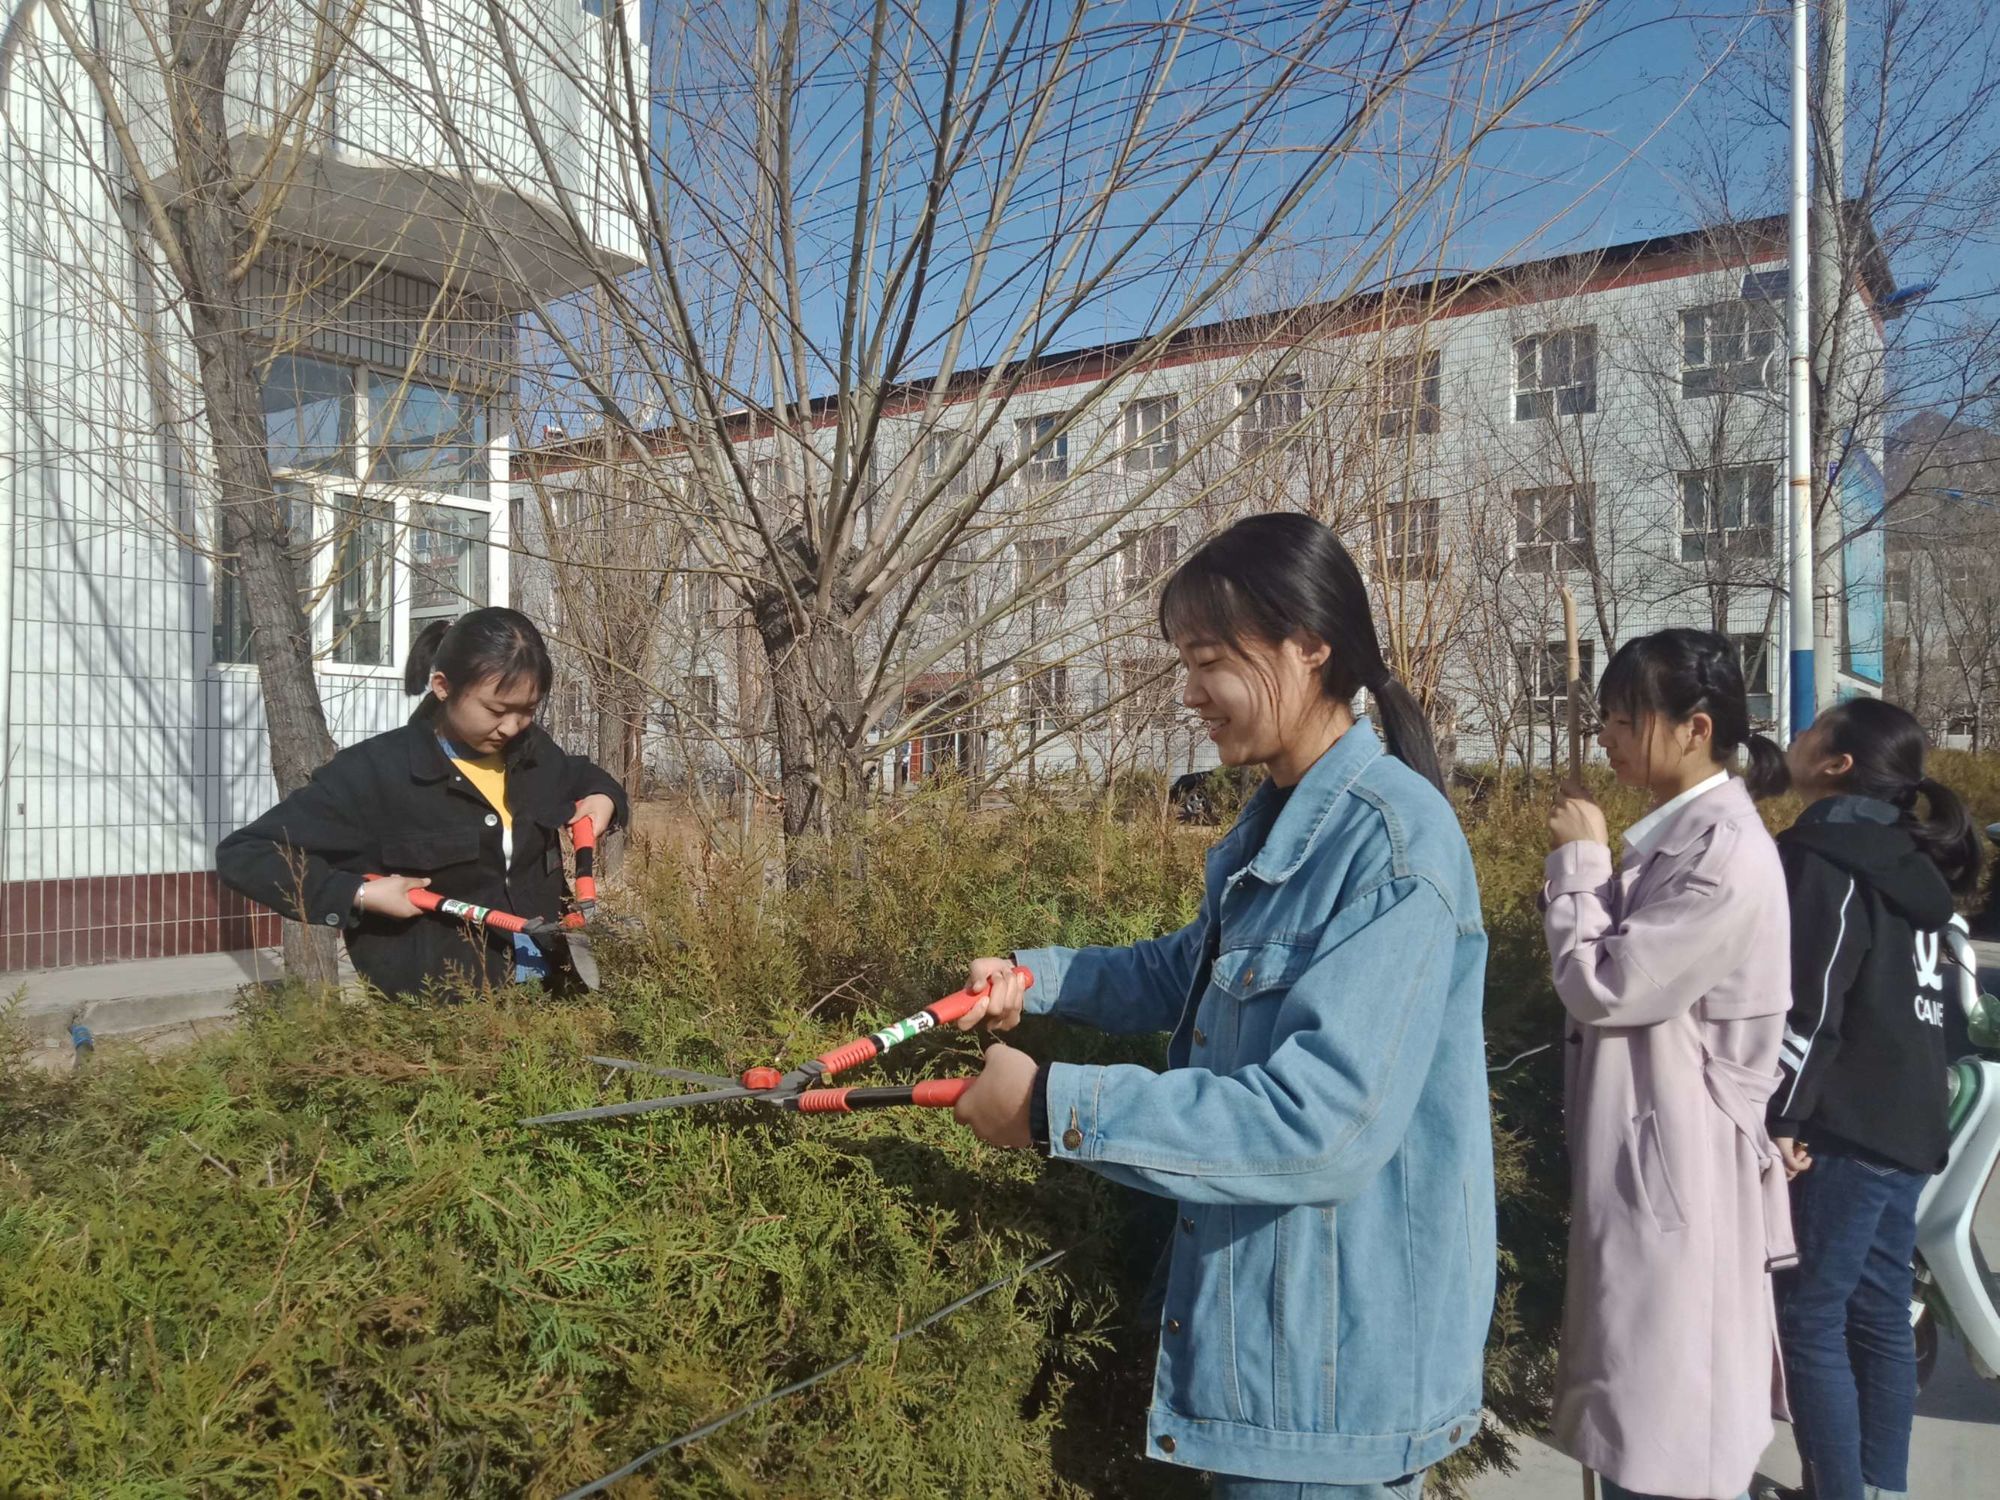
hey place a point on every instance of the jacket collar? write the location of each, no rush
(427, 757)
(1719, 804)
(1297, 827)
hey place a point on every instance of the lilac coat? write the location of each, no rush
(1676, 974)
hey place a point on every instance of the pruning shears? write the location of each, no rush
(583, 835)
(801, 1088)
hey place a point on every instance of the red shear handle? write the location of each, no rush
(424, 899)
(583, 835)
(932, 1093)
(942, 1013)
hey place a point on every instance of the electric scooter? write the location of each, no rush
(1953, 1288)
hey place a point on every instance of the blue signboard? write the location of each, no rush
(1864, 564)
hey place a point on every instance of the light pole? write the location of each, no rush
(1799, 492)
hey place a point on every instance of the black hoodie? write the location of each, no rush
(1864, 1049)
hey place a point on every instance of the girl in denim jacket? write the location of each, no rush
(1322, 1124)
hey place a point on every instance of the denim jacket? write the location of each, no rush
(1323, 1125)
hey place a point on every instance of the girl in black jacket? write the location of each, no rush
(470, 796)
(1860, 1115)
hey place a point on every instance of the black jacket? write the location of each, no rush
(1872, 984)
(394, 805)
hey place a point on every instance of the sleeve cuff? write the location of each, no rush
(1071, 1098)
(1047, 965)
(335, 904)
(1038, 1111)
(1576, 869)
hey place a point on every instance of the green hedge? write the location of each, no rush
(316, 1257)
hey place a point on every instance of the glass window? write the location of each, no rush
(1555, 374)
(1270, 414)
(1412, 394)
(447, 562)
(427, 436)
(231, 629)
(1152, 433)
(1047, 450)
(309, 416)
(364, 550)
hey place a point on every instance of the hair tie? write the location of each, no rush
(1377, 680)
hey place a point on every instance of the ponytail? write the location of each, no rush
(1948, 836)
(478, 647)
(1406, 731)
(1886, 744)
(1271, 577)
(1765, 773)
(423, 656)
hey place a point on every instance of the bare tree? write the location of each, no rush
(872, 233)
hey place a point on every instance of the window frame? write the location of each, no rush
(1149, 450)
(1026, 566)
(330, 490)
(1539, 395)
(1748, 372)
(1551, 661)
(1042, 469)
(1133, 547)
(1410, 395)
(1750, 537)
(1537, 552)
(1399, 561)
(1268, 413)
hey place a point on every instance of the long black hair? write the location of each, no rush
(476, 647)
(1887, 744)
(1680, 673)
(1270, 577)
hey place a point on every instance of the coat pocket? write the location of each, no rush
(1653, 1178)
(421, 853)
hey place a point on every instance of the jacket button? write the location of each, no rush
(1187, 1225)
(493, 820)
(1072, 1139)
(1456, 1434)
(1166, 1442)
(1200, 1037)
(1173, 1325)
(333, 919)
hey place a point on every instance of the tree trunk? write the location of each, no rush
(214, 238)
(816, 701)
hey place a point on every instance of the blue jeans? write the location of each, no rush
(1844, 1320)
(1228, 1487)
(1610, 1490)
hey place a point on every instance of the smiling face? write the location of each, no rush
(491, 714)
(1261, 705)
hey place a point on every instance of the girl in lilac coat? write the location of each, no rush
(1674, 968)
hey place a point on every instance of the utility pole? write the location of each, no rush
(1829, 345)
(1799, 491)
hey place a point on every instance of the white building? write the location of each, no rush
(1613, 419)
(131, 732)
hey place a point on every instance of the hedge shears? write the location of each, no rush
(801, 1089)
(583, 835)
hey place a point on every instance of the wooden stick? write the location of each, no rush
(1574, 647)
(1589, 1479)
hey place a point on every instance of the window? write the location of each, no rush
(764, 479)
(231, 636)
(1046, 450)
(427, 436)
(1729, 346)
(703, 697)
(719, 602)
(1543, 672)
(1144, 556)
(364, 547)
(948, 590)
(1037, 558)
(447, 562)
(1552, 527)
(1411, 388)
(1269, 413)
(1410, 539)
(1048, 699)
(1754, 653)
(1146, 692)
(1555, 374)
(940, 452)
(1727, 511)
(309, 416)
(1152, 434)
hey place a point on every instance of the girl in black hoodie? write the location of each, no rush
(1860, 1115)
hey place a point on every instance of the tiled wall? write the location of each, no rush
(56, 923)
